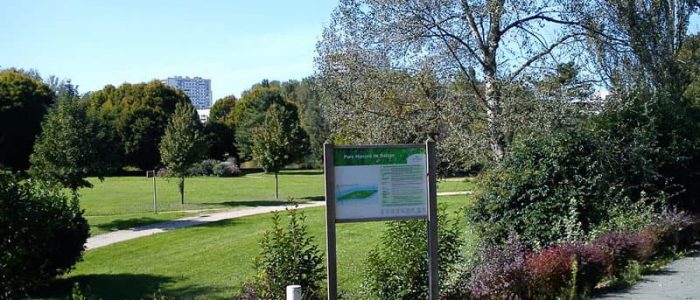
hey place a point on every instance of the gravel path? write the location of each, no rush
(128, 234)
(679, 280)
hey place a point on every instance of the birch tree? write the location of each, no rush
(490, 43)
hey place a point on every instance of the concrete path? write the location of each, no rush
(128, 234)
(679, 280)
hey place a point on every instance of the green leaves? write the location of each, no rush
(24, 100)
(289, 256)
(139, 114)
(398, 268)
(278, 140)
(183, 143)
(72, 146)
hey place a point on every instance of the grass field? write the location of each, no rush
(211, 261)
(126, 202)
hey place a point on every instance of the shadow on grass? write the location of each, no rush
(301, 172)
(125, 286)
(127, 223)
(315, 198)
(108, 286)
(246, 203)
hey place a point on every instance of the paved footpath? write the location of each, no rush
(679, 280)
(128, 234)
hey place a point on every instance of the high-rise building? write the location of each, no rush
(197, 88)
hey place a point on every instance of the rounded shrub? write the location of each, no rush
(42, 235)
(548, 189)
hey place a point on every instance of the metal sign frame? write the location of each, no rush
(432, 222)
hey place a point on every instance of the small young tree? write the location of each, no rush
(71, 147)
(276, 141)
(183, 143)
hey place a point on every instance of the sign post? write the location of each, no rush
(376, 183)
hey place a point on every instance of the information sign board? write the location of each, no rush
(380, 183)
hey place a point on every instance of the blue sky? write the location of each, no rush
(234, 43)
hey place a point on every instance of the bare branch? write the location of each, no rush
(472, 25)
(544, 52)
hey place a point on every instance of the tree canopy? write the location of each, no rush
(72, 146)
(182, 144)
(139, 114)
(220, 129)
(24, 100)
(250, 113)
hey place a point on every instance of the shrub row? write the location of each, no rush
(568, 270)
(209, 167)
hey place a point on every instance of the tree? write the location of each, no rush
(222, 110)
(72, 146)
(183, 144)
(220, 129)
(24, 100)
(276, 141)
(639, 41)
(307, 96)
(250, 113)
(489, 43)
(139, 114)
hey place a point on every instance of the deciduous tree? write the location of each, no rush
(489, 43)
(24, 100)
(139, 114)
(183, 143)
(278, 141)
(72, 146)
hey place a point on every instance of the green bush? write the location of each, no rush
(227, 169)
(203, 168)
(548, 189)
(398, 269)
(42, 235)
(289, 256)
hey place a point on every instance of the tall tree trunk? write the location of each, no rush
(277, 189)
(496, 135)
(181, 185)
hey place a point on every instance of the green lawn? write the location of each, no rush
(210, 261)
(126, 202)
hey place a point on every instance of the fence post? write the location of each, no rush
(294, 292)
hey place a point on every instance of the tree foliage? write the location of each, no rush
(639, 41)
(139, 114)
(487, 43)
(398, 268)
(220, 129)
(182, 144)
(72, 146)
(307, 96)
(24, 100)
(42, 235)
(250, 113)
(278, 141)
